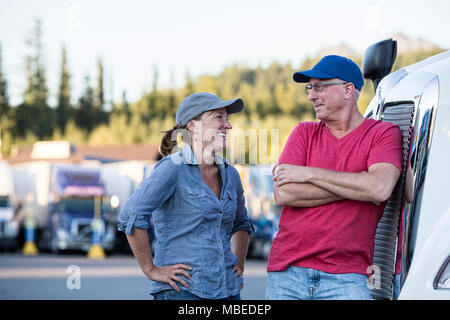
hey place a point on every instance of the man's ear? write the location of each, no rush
(349, 90)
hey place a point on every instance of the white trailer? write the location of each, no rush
(31, 183)
(8, 224)
(123, 177)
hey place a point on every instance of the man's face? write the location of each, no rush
(329, 101)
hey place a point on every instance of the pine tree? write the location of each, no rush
(39, 117)
(123, 108)
(172, 98)
(188, 86)
(153, 110)
(171, 104)
(100, 91)
(86, 114)
(63, 109)
(4, 101)
(5, 123)
(99, 95)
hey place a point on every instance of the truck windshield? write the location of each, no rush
(4, 202)
(78, 204)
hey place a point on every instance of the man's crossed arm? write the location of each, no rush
(301, 186)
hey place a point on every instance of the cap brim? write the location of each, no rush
(304, 76)
(232, 105)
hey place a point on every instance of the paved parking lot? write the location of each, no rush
(118, 277)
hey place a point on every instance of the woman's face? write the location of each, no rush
(211, 129)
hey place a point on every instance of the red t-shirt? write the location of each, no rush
(337, 237)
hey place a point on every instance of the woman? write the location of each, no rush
(196, 200)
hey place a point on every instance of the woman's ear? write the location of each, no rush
(190, 125)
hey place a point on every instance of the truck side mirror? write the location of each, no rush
(378, 60)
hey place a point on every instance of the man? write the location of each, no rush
(332, 178)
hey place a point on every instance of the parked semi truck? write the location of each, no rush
(67, 203)
(8, 224)
(122, 178)
(417, 99)
(262, 210)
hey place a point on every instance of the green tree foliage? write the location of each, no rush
(34, 116)
(86, 115)
(154, 110)
(4, 101)
(122, 108)
(74, 134)
(5, 122)
(100, 90)
(100, 115)
(64, 108)
(273, 101)
(189, 86)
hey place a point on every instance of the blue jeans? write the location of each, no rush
(184, 295)
(396, 286)
(296, 283)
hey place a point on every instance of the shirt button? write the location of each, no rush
(220, 211)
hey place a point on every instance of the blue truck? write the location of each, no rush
(77, 195)
(62, 201)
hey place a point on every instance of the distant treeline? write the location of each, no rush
(272, 99)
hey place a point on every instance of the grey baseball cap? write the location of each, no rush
(197, 103)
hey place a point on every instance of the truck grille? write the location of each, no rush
(82, 229)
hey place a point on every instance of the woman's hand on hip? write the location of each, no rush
(168, 274)
(238, 272)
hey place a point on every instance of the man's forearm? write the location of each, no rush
(303, 195)
(360, 186)
(375, 185)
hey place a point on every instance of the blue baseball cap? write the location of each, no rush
(197, 103)
(333, 66)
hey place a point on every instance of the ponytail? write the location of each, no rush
(169, 140)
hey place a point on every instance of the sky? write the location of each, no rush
(198, 37)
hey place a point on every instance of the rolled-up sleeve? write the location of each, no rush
(153, 191)
(241, 221)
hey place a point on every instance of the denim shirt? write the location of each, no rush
(192, 226)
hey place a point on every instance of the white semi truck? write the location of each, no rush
(8, 224)
(417, 98)
(121, 179)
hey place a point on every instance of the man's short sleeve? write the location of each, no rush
(294, 151)
(387, 146)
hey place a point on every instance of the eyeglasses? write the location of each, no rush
(318, 86)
